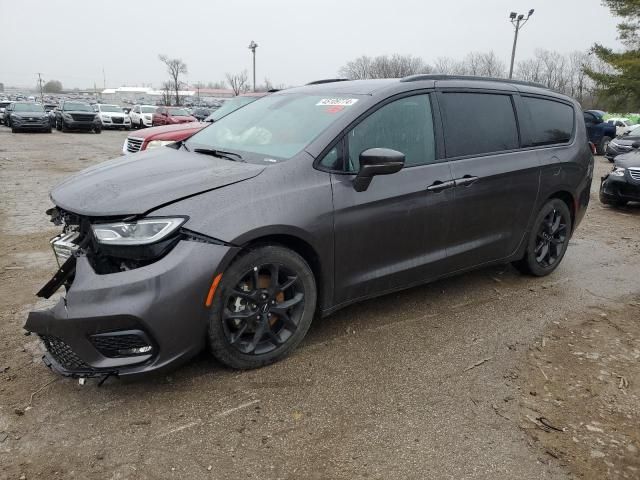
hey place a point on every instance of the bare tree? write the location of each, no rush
(357, 69)
(384, 66)
(166, 93)
(175, 68)
(265, 87)
(238, 82)
(449, 66)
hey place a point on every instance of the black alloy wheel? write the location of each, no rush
(548, 239)
(551, 238)
(263, 309)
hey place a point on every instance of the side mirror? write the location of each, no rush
(377, 161)
(635, 145)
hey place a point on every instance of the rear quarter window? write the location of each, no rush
(551, 122)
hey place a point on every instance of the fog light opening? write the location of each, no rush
(135, 350)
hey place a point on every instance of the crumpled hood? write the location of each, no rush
(135, 184)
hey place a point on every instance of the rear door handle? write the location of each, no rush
(465, 181)
(439, 186)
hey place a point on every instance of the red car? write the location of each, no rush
(160, 136)
(166, 134)
(171, 116)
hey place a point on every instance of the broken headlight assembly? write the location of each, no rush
(140, 232)
(126, 245)
(617, 172)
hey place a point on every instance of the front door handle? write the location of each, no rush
(439, 186)
(465, 181)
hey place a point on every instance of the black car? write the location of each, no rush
(201, 113)
(622, 184)
(27, 116)
(75, 115)
(622, 144)
(299, 204)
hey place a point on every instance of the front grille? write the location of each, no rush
(63, 354)
(82, 117)
(121, 345)
(134, 144)
(635, 173)
(117, 119)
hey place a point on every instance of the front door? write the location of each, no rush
(394, 233)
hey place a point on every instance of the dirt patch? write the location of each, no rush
(581, 391)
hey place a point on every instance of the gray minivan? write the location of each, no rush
(303, 202)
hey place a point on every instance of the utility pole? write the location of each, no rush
(104, 79)
(518, 22)
(252, 46)
(40, 81)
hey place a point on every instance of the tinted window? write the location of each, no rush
(405, 125)
(476, 123)
(552, 121)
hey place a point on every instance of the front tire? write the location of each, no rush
(548, 239)
(263, 308)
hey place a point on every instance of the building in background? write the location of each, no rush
(151, 96)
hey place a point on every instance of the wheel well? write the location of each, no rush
(302, 248)
(567, 198)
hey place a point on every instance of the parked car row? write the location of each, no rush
(168, 134)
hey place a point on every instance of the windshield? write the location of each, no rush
(635, 132)
(147, 109)
(277, 126)
(178, 112)
(78, 107)
(110, 108)
(27, 107)
(230, 106)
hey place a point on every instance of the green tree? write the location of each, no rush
(52, 86)
(621, 83)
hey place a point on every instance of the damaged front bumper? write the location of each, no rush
(133, 321)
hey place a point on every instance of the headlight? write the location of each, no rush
(159, 143)
(147, 117)
(67, 116)
(617, 172)
(142, 232)
(106, 117)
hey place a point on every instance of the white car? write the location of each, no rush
(142, 115)
(112, 116)
(623, 125)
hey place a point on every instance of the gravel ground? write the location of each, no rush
(487, 375)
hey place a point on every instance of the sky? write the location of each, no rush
(299, 40)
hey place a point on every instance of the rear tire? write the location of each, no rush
(258, 317)
(548, 240)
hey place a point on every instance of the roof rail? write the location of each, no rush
(437, 76)
(328, 80)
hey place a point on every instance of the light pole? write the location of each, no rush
(252, 46)
(518, 22)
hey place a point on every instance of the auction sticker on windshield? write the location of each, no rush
(343, 102)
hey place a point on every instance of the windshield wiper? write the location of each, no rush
(234, 157)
